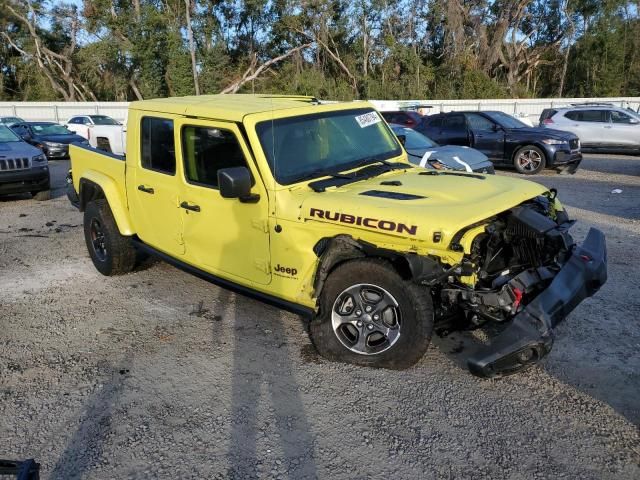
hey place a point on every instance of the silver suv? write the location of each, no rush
(599, 126)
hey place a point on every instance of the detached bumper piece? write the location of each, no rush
(530, 336)
(26, 470)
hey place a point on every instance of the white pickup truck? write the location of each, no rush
(103, 132)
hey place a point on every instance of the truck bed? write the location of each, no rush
(107, 170)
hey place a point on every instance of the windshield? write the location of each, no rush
(312, 146)
(505, 120)
(7, 135)
(49, 129)
(103, 120)
(414, 140)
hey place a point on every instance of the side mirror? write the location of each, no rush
(633, 121)
(402, 139)
(235, 182)
(495, 127)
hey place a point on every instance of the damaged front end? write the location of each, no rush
(525, 271)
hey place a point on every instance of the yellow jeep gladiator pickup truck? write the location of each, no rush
(314, 208)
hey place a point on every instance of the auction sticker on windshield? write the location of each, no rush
(367, 119)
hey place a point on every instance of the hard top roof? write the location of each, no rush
(229, 107)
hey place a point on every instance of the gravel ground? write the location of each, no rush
(159, 374)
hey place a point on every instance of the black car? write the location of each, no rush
(52, 138)
(406, 118)
(506, 140)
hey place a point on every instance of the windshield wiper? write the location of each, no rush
(371, 170)
(321, 172)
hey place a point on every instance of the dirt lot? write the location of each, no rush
(159, 374)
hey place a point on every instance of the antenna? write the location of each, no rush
(275, 164)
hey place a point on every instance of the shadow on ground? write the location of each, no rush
(266, 402)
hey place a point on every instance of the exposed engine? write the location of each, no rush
(519, 253)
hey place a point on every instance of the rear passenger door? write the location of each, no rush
(449, 129)
(224, 236)
(153, 187)
(591, 126)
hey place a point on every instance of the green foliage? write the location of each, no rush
(400, 49)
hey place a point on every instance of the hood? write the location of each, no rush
(445, 154)
(18, 150)
(417, 204)
(540, 132)
(65, 139)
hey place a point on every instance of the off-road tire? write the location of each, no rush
(118, 255)
(536, 151)
(414, 303)
(42, 195)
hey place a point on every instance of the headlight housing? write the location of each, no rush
(553, 141)
(54, 144)
(438, 165)
(39, 158)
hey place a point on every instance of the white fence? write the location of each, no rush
(530, 108)
(61, 111)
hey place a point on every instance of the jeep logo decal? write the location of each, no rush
(286, 271)
(368, 222)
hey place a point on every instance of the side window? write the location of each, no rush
(433, 122)
(478, 122)
(206, 150)
(73, 120)
(158, 146)
(593, 116)
(573, 115)
(85, 121)
(619, 117)
(455, 121)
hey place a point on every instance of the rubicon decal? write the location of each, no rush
(387, 225)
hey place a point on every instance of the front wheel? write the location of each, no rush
(529, 160)
(369, 315)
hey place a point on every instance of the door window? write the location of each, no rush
(206, 150)
(158, 145)
(619, 117)
(478, 122)
(454, 122)
(433, 122)
(587, 115)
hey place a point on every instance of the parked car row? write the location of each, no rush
(26, 148)
(496, 137)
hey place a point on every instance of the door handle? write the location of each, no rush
(607, 126)
(144, 189)
(191, 208)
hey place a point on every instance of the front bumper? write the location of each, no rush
(567, 162)
(35, 179)
(56, 152)
(485, 167)
(530, 335)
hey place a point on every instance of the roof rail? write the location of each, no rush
(585, 104)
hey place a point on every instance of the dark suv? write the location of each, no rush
(506, 140)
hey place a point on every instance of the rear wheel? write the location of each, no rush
(111, 252)
(529, 160)
(369, 315)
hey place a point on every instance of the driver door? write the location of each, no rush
(486, 136)
(223, 236)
